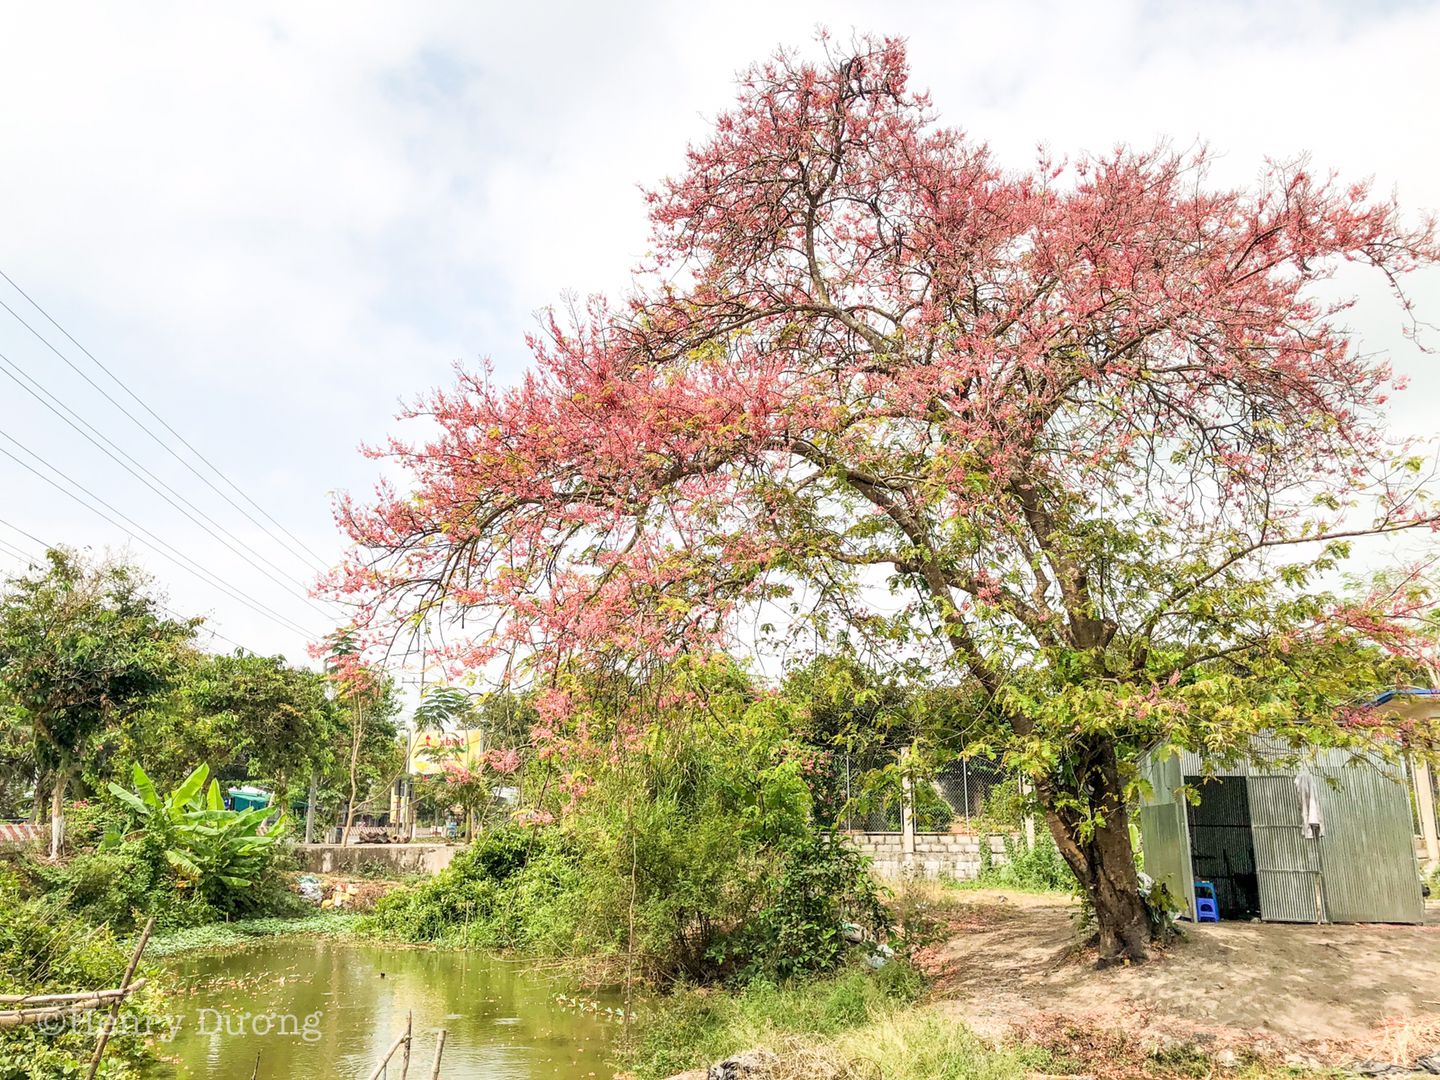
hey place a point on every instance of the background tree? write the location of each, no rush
(18, 776)
(1093, 426)
(366, 699)
(81, 645)
(248, 717)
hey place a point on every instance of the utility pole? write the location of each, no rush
(310, 805)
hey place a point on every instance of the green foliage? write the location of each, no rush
(45, 949)
(1003, 809)
(244, 715)
(691, 1029)
(821, 884)
(222, 855)
(19, 773)
(1031, 868)
(510, 889)
(81, 647)
(244, 931)
(694, 856)
(121, 886)
(446, 707)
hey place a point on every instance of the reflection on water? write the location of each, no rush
(313, 1008)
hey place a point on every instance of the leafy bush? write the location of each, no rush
(186, 864)
(1003, 808)
(502, 891)
(1033, 868)
(122, 886)
(45, 949)
(820, 886)
(697, 860)
(227, 857)
(87, 821)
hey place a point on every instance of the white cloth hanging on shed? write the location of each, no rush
(1312, 824)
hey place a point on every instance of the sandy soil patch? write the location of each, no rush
(1009, 966)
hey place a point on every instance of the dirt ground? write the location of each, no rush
(1314, 994)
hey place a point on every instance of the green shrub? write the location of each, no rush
(696, 856)
(122, 886)
(88, 820)
(1033, 868)
(46, 949)
(820, 885)
(219, 853)
(503, 891)
(1003, 808)
(149, 871)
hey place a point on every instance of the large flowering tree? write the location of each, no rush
(1092, 424)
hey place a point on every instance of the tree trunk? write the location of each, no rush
(1101, 855)
(356, 737)
(57, 812)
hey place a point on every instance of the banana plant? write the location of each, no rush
(208, 845)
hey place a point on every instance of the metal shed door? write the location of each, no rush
(1286, 864)
(1368, 848)
(1164, 830)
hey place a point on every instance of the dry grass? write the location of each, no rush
(1398, 1040)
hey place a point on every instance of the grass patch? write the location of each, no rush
(854, 1026)
(224, 935)
(692, 1028)
(917, 1045)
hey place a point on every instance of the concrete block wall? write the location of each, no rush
(937, 855)
(401, 858)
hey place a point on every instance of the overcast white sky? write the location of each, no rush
(272, 222)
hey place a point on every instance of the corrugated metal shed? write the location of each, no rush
(1362, 870)
(1163, 829)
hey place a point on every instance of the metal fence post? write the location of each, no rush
(849, 808)
(1029, 821)
(907, 810)
(965, 787)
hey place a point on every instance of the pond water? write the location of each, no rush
(314, 1007)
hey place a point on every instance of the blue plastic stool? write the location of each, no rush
(1207, 909)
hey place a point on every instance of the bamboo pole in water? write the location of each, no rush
(409, 1035)
(109, 1024)
(403, 1037)
(439, 1050)
(42, 1007)
(74, 998)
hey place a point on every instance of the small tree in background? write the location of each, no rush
(81, 646)
(1093, 427)
(366, 699)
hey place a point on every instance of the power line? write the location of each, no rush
(28, 535)
(84, 428)
(16, 553)
(25, 557)
(319, 559)
(179, 558)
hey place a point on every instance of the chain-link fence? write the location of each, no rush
(979, 789)
(969, 794)
(869, 792)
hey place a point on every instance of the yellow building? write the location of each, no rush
(433, 749)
